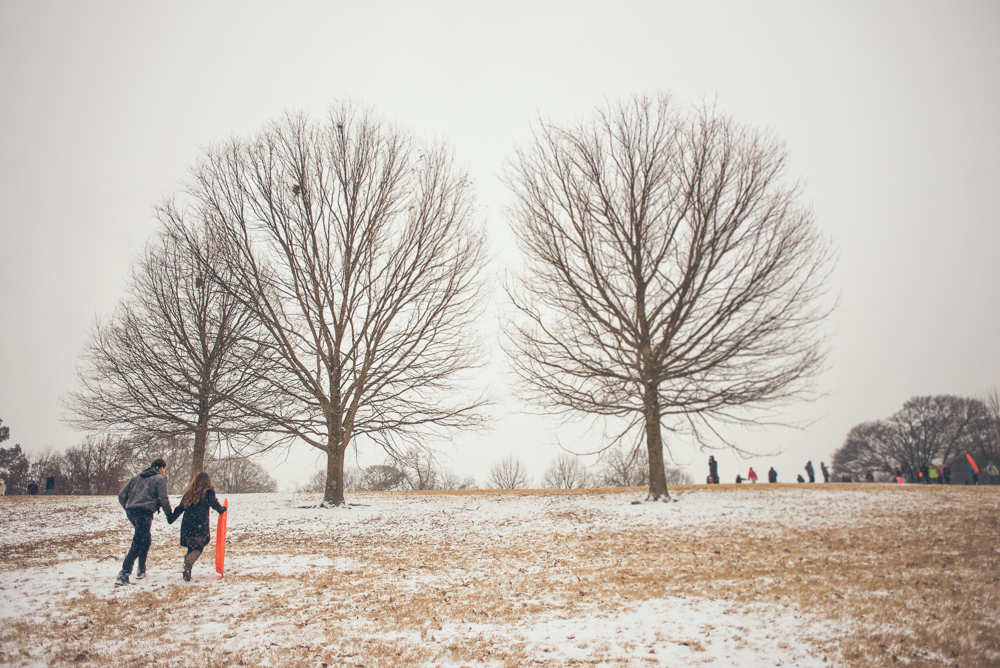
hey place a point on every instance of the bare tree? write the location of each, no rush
(454, 481)
(623, 467)
(508, 473)
(177, 356)
(353, 480)
(566, 472)
(419, 469)
(984, 435)
(671, 279)
(44, 463)
(99, 465)
(355, 250)
(239, 475)
(383, 478)
(926, 430)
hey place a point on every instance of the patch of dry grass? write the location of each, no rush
(919, 587)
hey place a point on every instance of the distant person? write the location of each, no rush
(196, 530)
(3, 487)
(144, 495)
(810, 472)
(32, 488)
(972, 474)
(713, 470)
(869, 477)
(826, 472)
(993, 473)
(799, 478)
(738, 479)
(752, 475)
(772, 475)
(946, 474)
(932, 475)
(50, 485)
(924, 475)
(899, 477)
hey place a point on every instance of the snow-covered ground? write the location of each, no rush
(431, 579)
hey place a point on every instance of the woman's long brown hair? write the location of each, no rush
(196, 490)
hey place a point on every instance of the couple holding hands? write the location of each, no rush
(146, 494)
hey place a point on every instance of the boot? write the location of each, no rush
(189, 563)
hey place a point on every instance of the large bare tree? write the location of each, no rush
(672, 279)
(355, 248)
(177, 357)
(926, 430)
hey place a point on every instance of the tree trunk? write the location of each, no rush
(334, 494)
(654, 445)
(200, 445)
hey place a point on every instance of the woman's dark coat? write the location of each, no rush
(195, 528)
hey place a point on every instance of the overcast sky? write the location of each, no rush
(889, 111)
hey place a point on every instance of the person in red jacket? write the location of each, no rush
(752, 475)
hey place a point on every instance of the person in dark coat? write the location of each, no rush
(713, 470)
(32, 488)
(799, 478)
(50, 485)
(826, 472)
(196, 530)
(142, 497)
(810, 471)
(772, 475)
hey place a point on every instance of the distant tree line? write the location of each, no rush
(930, 430)
(419, 470)
(103, 464)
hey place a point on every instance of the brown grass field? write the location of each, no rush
(902, 575)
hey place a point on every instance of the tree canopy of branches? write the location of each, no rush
(99, 465)
(671, 279)
(566, 472)
(176, 358)
(354, 248)
(926, 430)
(508, 473)
(623, 467)
(239, 475)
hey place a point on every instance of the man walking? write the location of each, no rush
(810, 471)
(144, 495)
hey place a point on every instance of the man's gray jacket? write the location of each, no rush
(148, 490)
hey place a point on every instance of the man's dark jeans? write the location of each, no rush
(142, 520)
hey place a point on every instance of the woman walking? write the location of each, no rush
(195, 528)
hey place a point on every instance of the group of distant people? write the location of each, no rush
(928, 474)
(772, 475)
(50, 487)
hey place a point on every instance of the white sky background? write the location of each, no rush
(889, 111)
